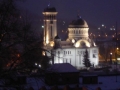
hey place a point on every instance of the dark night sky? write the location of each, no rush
(95, 12)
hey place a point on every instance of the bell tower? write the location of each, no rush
(50, 25)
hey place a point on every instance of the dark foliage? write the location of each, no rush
(86, 60)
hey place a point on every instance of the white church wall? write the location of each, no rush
(74, 56)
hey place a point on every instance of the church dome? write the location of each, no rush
(78, 23)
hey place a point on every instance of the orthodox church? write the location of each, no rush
(71, 50)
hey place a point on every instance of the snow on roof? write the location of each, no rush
(62, 67)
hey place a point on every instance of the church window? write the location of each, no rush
(76, 32)
(64, 52)
(68, 52)
(70, 60)
(66, 60)
(63, 60)
(58, 52)
(94, 56)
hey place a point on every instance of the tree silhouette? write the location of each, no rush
(86, 60)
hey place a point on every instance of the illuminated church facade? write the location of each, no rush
(71, 50)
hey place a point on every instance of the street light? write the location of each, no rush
(42, 26)
(110, 58)
(35, 64)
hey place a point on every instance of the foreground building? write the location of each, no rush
(71, 50)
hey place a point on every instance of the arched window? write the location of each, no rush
(74, 31)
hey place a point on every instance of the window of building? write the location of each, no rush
(94, 56)
(64, 52)
(58, 52)
(70, 60)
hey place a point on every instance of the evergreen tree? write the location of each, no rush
(86, 60)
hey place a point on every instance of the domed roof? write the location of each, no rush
(50, 9)
(57, 37)
(78, 23)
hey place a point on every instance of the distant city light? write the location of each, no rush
(99, 28)
(39, 65)
(36, 64)
(18, 55)
(102, 25)
(112, 28)
(117, 48)
(42, 26)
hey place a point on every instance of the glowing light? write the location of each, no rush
(102, 25)
(18, 55)
(43, 53)
(35, 64)
(51, 43)
(99, 28)
(39, 65)
(42, 26)
(117, 48)
(47, 40)
(110, 53)
(77, 44)
(73, 41)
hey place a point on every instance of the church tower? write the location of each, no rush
(50, 25)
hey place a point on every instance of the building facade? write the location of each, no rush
(71, 50)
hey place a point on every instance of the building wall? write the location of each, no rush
(50, 26)
(74, 56)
